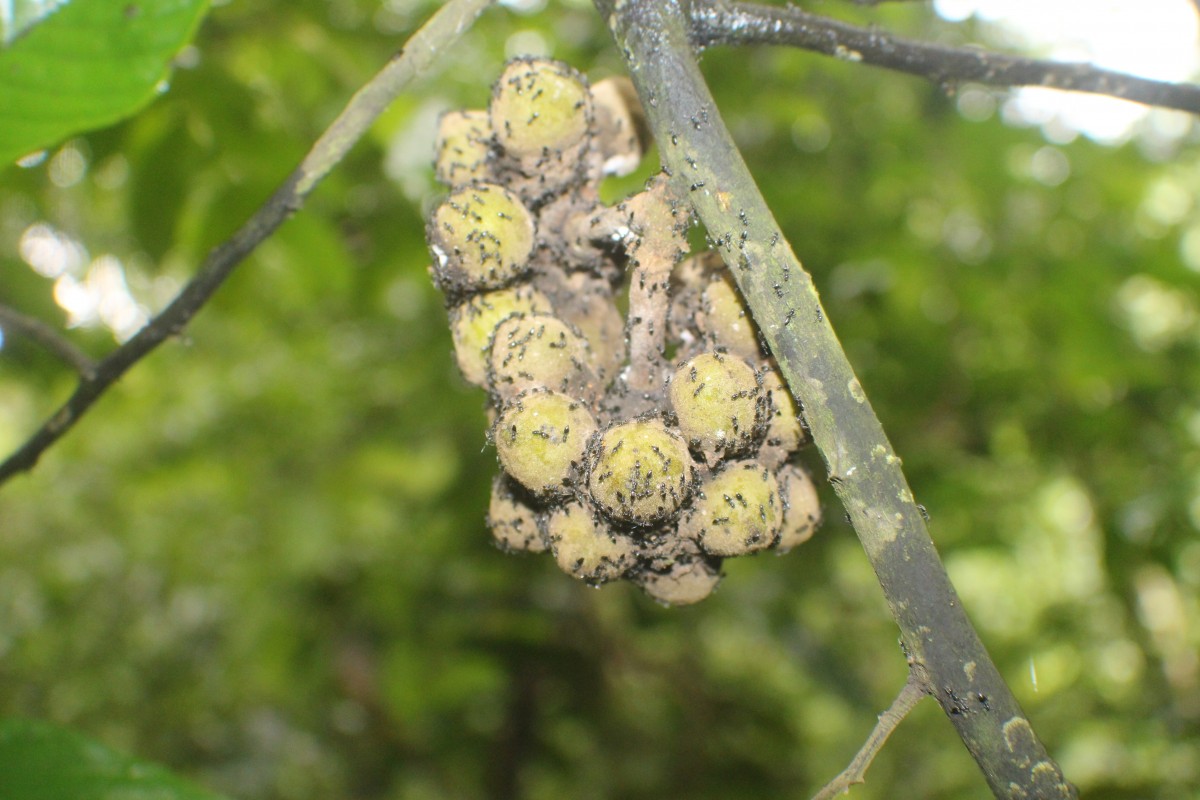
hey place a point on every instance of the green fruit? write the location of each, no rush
(736, 511)
(512, 520)
(716, 398)
(539, 350)
(784, 431)
(640, 472)
(585, 547)
(541, 437)
(472, 324)
(585, 301)
(724, 317)
(481, 237)
(684, 583)
(540, 106)
(462, 147)
(801, 507)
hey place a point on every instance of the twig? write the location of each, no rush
(703, 161)
(719, 23)
(48, 339)
(911, 693)
(418, 53)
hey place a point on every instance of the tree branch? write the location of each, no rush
(699, 154)
(911, 693)
(720, 23)
(48, 339)
(442, 30)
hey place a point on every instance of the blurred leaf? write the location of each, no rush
(87, 66)
(40, 761)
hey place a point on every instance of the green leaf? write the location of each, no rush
(40, 761)
(90, 64)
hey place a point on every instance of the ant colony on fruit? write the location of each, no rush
(621, 461)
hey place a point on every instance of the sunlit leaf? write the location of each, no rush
(18, 16)
(86, 66)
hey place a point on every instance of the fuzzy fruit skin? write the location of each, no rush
(620, 125)
(532, 350)
(462, 147)
(473, 323)
(639, 472)
(541, 437)
(513, 522)
(801, 507)
(784, 434)
(737, 511)
(717, 401)
(481, 237)
(726, 320)
(540, 106)
(684, 583)
(585, 546)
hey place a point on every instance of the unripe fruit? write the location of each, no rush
(801, 507)
(585, 301)
(620, 125)
(540, 106)
(736, 511)
(716, 398)
(684, 583)
(784, 432)
(533, 350)
(541, 437)
(462, 147)
(512, 520)
(585, 547)
(472, 324)
(481, 237)
(639, 472)
(724, 317)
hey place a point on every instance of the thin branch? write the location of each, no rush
(715, 22)
(911, 693)
(699, 154)
(49, 339)
(418, 53)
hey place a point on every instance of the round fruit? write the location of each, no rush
(784, 432)
(540, 106)
(684, 583)
(736, 511)
(716, 398)
(541, 437)
(639, 472)
(473, 322)
(512, 520)
(481, 237)
(801, 507)
(620, 125)
(462, 147)
(725, 319)
(585, 547)
(532, 350)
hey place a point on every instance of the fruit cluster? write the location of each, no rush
(647, 445)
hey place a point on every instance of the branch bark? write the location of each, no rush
(49, 339)
(698, 152)
(910, 694)
(719, 23)
(418, 53)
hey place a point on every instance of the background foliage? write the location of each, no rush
(261, 560)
